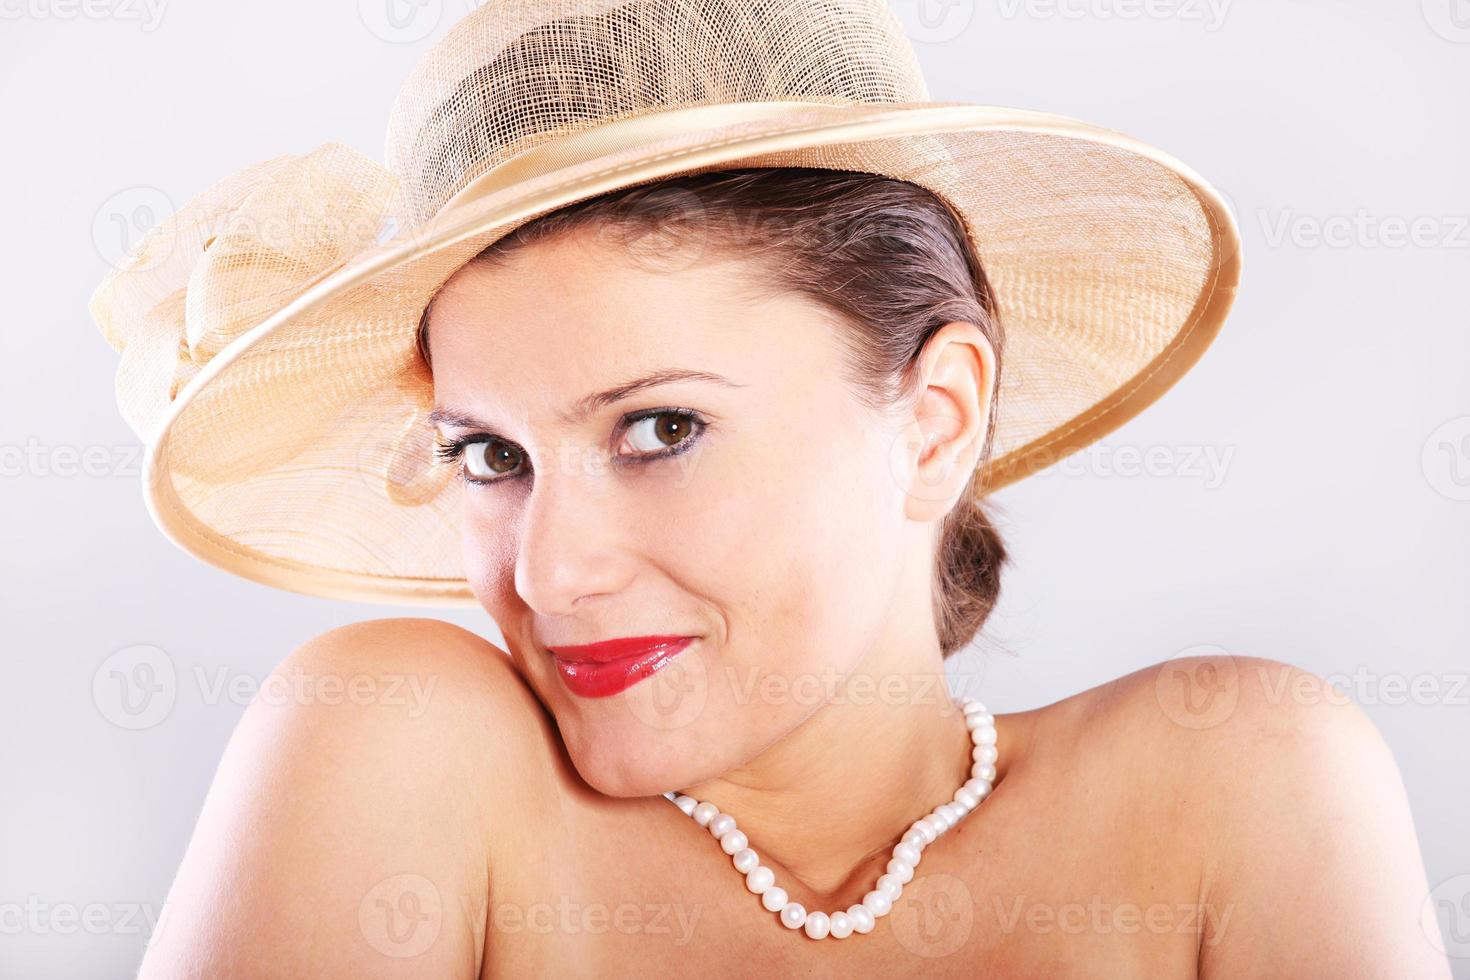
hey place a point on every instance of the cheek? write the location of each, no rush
(785, 539)
(792, 546)
(488, 550)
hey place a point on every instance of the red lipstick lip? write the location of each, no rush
(619, 649)
(600, 670)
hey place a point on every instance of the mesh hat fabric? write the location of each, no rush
(267, 330)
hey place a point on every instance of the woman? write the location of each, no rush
(719, 440)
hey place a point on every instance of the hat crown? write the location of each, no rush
(515, 73)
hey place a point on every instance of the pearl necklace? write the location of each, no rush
(862, 917)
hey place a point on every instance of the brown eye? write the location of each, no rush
(656, 432)
(671, 429)
(490, 459)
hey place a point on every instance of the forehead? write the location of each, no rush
(574, 312)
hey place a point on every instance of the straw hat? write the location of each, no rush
(267, 329)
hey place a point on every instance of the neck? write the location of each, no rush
(824, 805)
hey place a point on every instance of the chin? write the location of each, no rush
(624, 785)
(613, 778)
(612, 769)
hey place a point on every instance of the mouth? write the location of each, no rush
(599, 670)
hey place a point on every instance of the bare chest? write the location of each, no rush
(1038, 882)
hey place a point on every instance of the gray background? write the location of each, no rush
(1330, 532)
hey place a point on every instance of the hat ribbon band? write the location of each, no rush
(619, 134)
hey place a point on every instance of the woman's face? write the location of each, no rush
(777, 535)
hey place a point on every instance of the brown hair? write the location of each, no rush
(891, 258)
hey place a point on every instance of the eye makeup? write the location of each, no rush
(479, 453)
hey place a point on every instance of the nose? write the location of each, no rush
(570, 546)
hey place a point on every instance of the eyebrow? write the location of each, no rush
(587, 405)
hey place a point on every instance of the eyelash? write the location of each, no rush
(452, 452)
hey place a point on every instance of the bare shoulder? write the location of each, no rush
(349, 827)
(431, 696)
(1283, 794)
(1189, 705)
(451, 667)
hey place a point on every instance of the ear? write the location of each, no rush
(951, 415)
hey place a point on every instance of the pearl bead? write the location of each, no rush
(760, 878)
(877, 903)
(793, 916)
(861, 917)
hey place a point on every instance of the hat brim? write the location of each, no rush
(299, 456)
